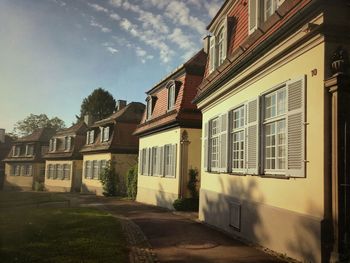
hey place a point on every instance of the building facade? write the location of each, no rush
(267, 117)
(24, 165)
(111, 140)
(5, 147)
(64, 162)
(170, 136)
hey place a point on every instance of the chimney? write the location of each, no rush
(121, 104)
(2, 135)
(206, 44)
(88, 119)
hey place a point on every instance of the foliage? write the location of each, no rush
(186, 204)
(192, 203)
(192, 183)
(34, 122)
(100, 104)
(48, 234)
(131, 182)
(109, 180)
(38, 186)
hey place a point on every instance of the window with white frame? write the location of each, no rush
(158, 161)
(96, 169)
(90, 137)
(149, 107)
(105, 134)
(88, 170)
(168, 157)
(67, 143)
(54, 147)
(260, 11)
(16, 170)
(66, 171)
(275, 105)
(214, 143)
(266, 135)
(29, 150)
(103, 165)
(59, 171)
(16, 150)
(171, 97)
(218, 47)
(51, 171)
(237, 139)
(28, 170)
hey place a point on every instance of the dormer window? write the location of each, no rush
(29, 150)
(67, 143)
(54, 148)
(260, 11)
(90, 137)
(218, 46)
(149, 107)
(104, 134)
(51, 145)
(173, 87)
(16, 150)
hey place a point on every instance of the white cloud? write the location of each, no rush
(115, 16)
(59, 2)
(212, 7)
(150, 38)
(101, 27)
(98, 8)
(112, 50)
(180, 14)
(184, 42)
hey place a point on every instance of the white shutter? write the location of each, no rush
(226, 38)
(296, 128)
(212, 55)
(173, 161)
(252, 137)
(161, 161)
(253, 15)
(205, 146)
(146, 172)
(140, 162)
(223, 143)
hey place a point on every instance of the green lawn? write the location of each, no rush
(48, 234)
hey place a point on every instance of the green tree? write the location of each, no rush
(109, 181)
(100, 104)
(34, 122)
(131, 182)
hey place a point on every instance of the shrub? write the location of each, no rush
(131, 182)
(189, 204)
(38, 186)
(109, 180)
(192, 183)
(186, 204)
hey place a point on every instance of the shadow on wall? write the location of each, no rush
(163, 200)
(216, 209)
(308, 240)
(12, 187)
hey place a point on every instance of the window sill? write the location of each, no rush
(274, 176)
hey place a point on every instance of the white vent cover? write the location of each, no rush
(235, 216)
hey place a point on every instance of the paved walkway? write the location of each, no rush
(159, 235)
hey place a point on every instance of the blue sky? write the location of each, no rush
(54, 53)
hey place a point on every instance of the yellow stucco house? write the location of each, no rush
(64, 162)
(274, 135)
(24, 165)
(111, 140)
(170, 135)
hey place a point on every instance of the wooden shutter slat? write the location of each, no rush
(253, 15)
(223, 143)
(205, 146)
(252, 137)
(296, 128)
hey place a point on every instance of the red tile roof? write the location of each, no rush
(188, 77)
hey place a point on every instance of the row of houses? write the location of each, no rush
(261, 112)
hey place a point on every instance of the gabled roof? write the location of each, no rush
(78, 128)
(129, 113)
(39, 135)
(186, 78)
(122, 125)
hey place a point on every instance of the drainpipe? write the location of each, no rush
(183, 164)
(339, 87)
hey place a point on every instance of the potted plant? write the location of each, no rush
(339, 61)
